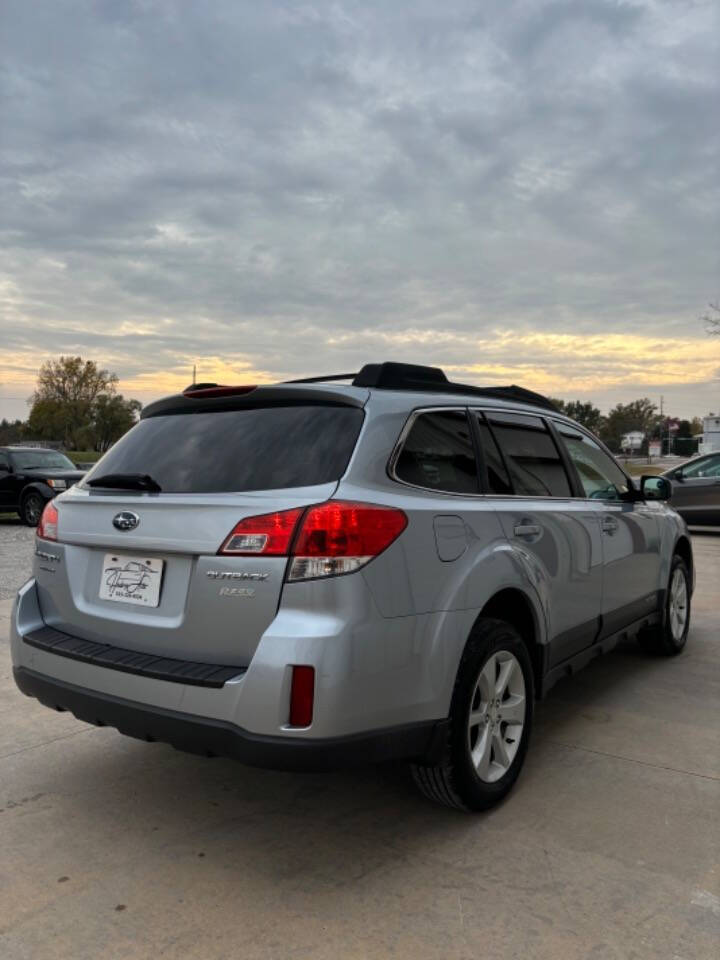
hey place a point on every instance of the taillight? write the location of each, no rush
(47, 528)
(269, 535)
(339, 537)
(333, 538)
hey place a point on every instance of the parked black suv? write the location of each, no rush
(30, 476)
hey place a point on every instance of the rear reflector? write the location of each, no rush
(47, 528)
(302, 695)
(269, 535)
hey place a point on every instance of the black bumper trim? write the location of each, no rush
(131, 661)
(210, 737)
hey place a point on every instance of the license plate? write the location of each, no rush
(131, 579)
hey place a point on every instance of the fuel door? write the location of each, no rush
(450, 537)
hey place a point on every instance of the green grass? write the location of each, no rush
(638, 469)
(85, 456)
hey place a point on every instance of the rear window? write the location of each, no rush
(238, 450)
(438, 453)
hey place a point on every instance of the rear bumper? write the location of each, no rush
(211, 737)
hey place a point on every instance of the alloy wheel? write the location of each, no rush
(678, 608)
(497, 716)
(33, 509)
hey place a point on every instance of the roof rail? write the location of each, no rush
(397, 376)
(410, 376)
(332, 376)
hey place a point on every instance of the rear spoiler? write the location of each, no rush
(214, 398)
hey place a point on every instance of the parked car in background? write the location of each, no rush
(315, 574)
(30, 476)
(696, 490)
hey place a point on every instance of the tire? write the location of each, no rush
(670, 636)
(31, 508)
(481, 761)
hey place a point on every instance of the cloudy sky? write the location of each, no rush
(517, 190)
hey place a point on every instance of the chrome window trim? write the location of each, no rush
(467, 408)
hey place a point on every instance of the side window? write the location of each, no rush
(438, 453)
(4, 463)
(497, 475)
(708, 467)
(536, 469)
(600, 476)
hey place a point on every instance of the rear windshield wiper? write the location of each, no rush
(126, 481)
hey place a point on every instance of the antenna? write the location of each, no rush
(193, 374)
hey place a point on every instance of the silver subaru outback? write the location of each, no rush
(319, 573)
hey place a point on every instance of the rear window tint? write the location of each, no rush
(497, 477)
(438, 453)
(531, 455)
(238, 450)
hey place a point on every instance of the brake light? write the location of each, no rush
(218, 390)
(47, 528)
(339, 537)
(269, 535)
(332, 538)
(302, 695)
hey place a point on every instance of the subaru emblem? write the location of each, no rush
(126, 520)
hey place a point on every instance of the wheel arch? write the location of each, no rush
(41, 489)
(514, 606)
(37, 486)
(684, 550)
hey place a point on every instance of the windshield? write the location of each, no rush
(40, 459)
(237, 450)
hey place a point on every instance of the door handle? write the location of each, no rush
(527, 531)
(609, 525)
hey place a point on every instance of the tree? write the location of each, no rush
(76, 402)
(112, 417)
(11, 431)
(711, 319)
(585, 413)
(684, 429)
(638, 415)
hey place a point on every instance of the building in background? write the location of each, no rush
(710, 442)
(632, 442)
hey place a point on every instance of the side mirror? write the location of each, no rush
(678, 475)
(655, 488)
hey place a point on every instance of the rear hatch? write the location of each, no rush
(142, 570)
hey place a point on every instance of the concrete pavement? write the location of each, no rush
(607, 849)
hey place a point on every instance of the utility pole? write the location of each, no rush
(194, 375)
(662, 423)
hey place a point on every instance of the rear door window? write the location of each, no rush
(438, 453)
(238, 450)
(533, 460)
